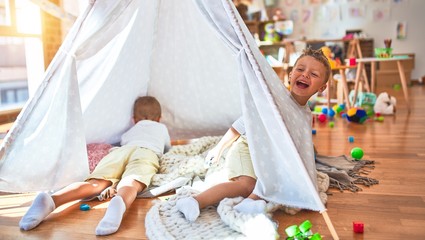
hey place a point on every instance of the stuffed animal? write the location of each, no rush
(385, 104)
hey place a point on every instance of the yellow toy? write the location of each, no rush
(328, 53)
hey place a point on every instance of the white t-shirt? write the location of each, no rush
(148, 134)
(239, 126)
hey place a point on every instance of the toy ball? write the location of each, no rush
(379, 119)
(357, 153)
(397, 87)
(337, 108)
(322, 118)
(331, 112)
(350, 139)
(325, 110)
(314, 131)
(356, 115)
(331, 124)
(317, 109)
(84, 207)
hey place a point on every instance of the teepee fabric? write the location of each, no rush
(279, 138)
(200, 61)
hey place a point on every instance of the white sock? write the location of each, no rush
(251, 206)
(42, 206)
(113, 216)
(189, 207)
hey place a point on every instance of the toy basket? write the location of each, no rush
(363, 98)
(383, 52)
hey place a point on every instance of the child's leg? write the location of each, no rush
(190, 207)
(241, 172)
(127, 192)
(44, 204)
(141, 166)
(80, 190)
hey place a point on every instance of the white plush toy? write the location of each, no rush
(385, 104)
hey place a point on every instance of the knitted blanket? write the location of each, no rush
(164, 221)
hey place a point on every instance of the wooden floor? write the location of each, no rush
(393, 209)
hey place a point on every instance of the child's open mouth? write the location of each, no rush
(302, 84)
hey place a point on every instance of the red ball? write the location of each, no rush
(322, 118)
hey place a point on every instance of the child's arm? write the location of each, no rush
(214, 154)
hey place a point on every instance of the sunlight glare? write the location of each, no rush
(28, 17)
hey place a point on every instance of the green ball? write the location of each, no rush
(397, 87)
(357, 153)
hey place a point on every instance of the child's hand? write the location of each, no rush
(212, 157)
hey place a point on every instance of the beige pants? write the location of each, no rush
(238, 160)
(127, 161)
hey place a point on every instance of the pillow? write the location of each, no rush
(95, 153)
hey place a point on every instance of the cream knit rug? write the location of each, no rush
(164, 221)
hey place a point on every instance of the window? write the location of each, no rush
(21, 52)
(5, 13)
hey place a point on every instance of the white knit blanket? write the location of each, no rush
(164, 221)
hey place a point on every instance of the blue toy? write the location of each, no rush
(351, 139)
(331, 112)
(357, 115)
(84, 207)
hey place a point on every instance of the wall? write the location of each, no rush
(51, 34)
(377, 18)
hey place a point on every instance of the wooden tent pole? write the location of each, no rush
(330, 226)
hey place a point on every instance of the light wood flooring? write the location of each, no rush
(393, 209)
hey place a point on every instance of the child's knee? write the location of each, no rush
(99, 184)
(248, 184)
(130, 181)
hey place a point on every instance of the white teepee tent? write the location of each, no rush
(201, 62)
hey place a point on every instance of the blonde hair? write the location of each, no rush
(146, 108)
(319, 56)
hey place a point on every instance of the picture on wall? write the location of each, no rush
(401, 30)
(380, 14)
(356, 11)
